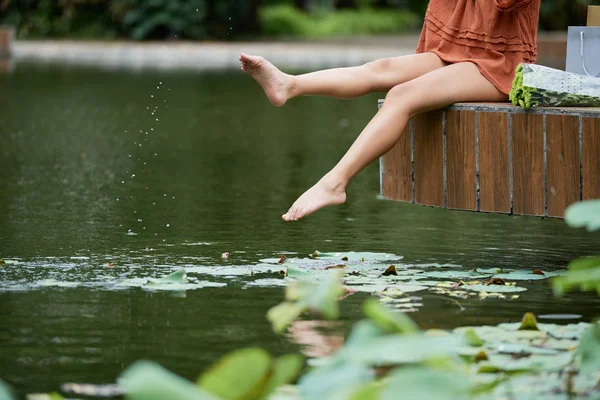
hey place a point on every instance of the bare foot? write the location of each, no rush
(327, 192)
(275, 83)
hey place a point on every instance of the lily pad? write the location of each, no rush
(526, 275)
(55, 283)
(454, 275)
(178, 286)
(353, 256)
(493, 288)
(426, 384)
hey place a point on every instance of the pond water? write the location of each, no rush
(117, 174)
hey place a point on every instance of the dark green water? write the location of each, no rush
(213, 174)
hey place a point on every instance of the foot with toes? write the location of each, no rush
(275, 83)
(326, 192)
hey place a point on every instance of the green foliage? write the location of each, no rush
(250, 374)
(301, 297)
(584, 214)
(147, 19)
(146, 380)
(286, 20)
(387, 320)
(589, 349)
(426, 384)
(584, 275)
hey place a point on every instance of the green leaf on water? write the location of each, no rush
(285, 370)
(146, 380)
(5, 391)
(387, 320)
(354, 256)
(55, 283)
(472, 338)
(426, 384)
(177, 276)
(529, 323)
(526, 275)
(584, 214)
(589, 349)
(239, 375)
(493, 288)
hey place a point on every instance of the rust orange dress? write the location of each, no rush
(496, 35)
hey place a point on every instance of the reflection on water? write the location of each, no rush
(90, 178)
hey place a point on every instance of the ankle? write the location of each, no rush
(334, 183)
(292, 86)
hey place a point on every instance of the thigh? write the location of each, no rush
(389, 72)
(454, 83)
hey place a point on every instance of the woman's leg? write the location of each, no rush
(377, 76)
(454, 83)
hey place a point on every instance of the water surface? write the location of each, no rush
(151, 171)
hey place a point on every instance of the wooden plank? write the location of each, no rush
(494, 172)
(461, 172)
(590, 136)
(429, 158)
(562, 161)
(528, 164)
(397, 170)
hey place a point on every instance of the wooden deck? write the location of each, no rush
(494, 157)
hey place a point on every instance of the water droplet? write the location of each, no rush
(133, 175)
(144, 228)
(140, 145)
(135, 212)
(122, 181)
(164, 240)
(165, 195)
(153, 204)
(151, 129)
(157, 119)
(196, 10)
(173, 197)
(117, 199)
(168, 225)
(160, 83)
(151, 95)
(158, 87)
(230, 18)
(130, 156)
(139, 220)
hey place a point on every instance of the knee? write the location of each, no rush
(404, 97)
(379, 66)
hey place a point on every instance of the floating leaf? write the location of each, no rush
(584, 214)
(146, 380)
(472, 338)
(521, 275)
(528, 323)
(493, 288)
(177, 286)
(55, 283)
(481, 356)
(178, 276)
(454, 275)
(391, 270)
(387, 320)
(239, 375)
(353, 256)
